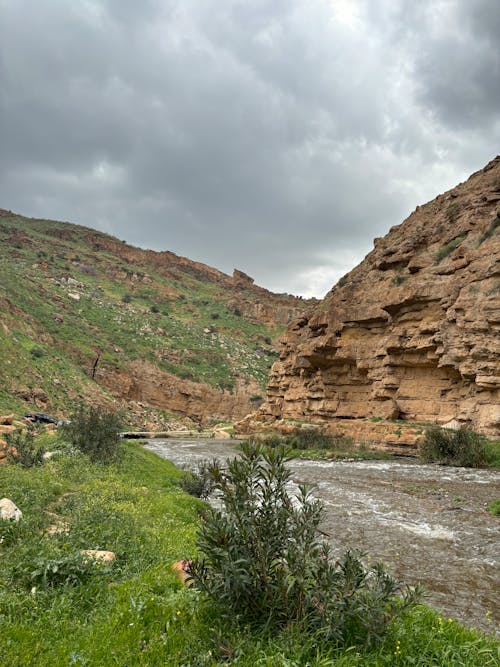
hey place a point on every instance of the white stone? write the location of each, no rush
(9, 511)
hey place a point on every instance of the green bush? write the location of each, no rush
(37, 352)
(95, 432)
(262, 562)
(494, 507)
(199, 482)
(22, 448)
(460, 448)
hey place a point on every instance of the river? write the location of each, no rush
(427, 523)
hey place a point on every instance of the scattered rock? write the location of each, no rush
(7, 420)
(9, 511)
(222, 435)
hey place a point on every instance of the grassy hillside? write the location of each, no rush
(76, 303)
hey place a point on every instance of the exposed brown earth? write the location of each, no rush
(410, 334)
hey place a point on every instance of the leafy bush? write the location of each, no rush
(37, 352)
(22, 448)
(460, 448)
(94, 431)
(154, 309)
(263, 564)
(126, 298)
(198, 483)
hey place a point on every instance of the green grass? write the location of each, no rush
(449, 248)
(136, 612)
(494, 507)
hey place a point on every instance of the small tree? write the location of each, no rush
(262, 562)
(95, 432)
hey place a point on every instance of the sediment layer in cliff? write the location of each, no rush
(412, 333)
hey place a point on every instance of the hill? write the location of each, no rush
(411, 334)
(86, 316)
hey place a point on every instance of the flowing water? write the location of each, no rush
(428, 523)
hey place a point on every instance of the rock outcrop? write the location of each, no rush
(412, 333)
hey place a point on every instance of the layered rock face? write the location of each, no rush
(412, 333)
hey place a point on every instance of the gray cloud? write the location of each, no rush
(278, 136)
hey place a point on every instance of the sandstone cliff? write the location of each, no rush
(412, 333)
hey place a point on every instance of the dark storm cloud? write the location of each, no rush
(278, 136)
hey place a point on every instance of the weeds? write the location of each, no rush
(493, 226)
(449, 248)
(494, 507)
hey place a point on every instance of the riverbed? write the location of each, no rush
(429, 524)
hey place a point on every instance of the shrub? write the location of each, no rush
(126, 298)
(154, 309)
(460, 448)
(494, 225)
(37, 352)
(263, 564)
(452, 212)
(199, 482)
(22, 448)
(94, 431)
(449, 248)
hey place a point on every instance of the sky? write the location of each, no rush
(279, 137)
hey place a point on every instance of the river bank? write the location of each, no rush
(429, 523)
(136, 612)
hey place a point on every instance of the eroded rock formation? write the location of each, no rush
(412, 333)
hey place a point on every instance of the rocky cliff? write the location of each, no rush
(412, 333)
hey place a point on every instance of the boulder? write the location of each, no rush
(9, 511)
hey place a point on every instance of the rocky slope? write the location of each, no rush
(84, 315)
(412, 333)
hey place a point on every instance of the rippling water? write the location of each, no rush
(429, 524)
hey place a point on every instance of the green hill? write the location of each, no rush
(84, 315)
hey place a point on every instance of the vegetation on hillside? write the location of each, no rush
(76, 304)
(59, 609)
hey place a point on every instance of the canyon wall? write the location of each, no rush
(412, 333)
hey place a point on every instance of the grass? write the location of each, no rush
(494, 507)
(136, 612)
(449, 248)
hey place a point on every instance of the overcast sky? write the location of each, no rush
(276, 136)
